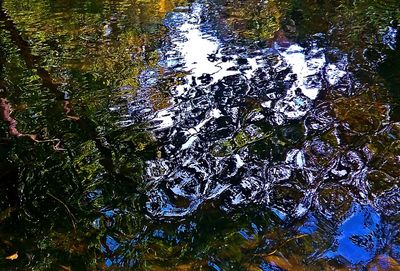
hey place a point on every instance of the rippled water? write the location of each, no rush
(267, 125)
(223, 138)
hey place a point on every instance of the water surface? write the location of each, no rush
(202, 135)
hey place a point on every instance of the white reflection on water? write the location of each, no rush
(190, 172)
(304, 69)
(191, 47)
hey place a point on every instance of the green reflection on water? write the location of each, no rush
(80, 163)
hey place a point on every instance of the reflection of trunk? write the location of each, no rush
(33, 62)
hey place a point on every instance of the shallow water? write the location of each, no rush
(210, 135)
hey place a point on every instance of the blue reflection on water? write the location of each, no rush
(112, 246)
(245, 234)
(214, 266)
(159, 233)
(269, 267)
(356, 238)
(310, 226)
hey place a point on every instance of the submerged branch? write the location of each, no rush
(33, 62)
(73, 218)
(5, 114)
(87, 126)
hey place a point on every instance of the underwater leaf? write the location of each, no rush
(12, 257)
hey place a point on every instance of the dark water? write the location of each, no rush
(203, 135)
